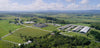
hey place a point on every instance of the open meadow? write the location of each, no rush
(32, 32)
(5, 27)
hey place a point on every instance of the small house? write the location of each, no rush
(28, 22)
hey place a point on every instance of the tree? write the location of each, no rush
(10, 31)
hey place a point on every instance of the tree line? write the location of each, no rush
(56, 41)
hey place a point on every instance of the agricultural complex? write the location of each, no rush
(18, 31)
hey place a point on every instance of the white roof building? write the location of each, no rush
(85, 29)
(77, 28)
(28, 22)
(64, 27)
(28, 42)
(19, 44)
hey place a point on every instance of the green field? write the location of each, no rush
(5, 27)
(50, 28)
(82, 24)
(29, 24)
(4, 44)
(15, 37)
(76, 18)
(74, 34)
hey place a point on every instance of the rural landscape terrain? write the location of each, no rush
(50, 29)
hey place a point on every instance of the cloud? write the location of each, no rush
(84, 1)
(7, 5)
(70, 0)
(72, 6)
(37, 5)
(98, 5)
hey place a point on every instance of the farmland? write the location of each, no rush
(5, 27)
(25, 32)
(22, 32)
(4, 44)
(50, 28)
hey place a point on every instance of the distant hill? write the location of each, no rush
(56, 11)
(71, 11)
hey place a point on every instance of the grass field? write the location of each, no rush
(29, 24)
(82, 24)
(15, 37)
(74, 34)
(5, 44)
(50, 28)
(75, 17)
(5, 27)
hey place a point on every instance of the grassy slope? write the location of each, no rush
(5, 27)
(50, 28)
(74, 34)
(5, 44)
(82, 24)
(74, 17)
(25, 32)
(29, 24)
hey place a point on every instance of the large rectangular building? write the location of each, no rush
(64, 27)
(77, 28)
(69, 29)
(85, 29)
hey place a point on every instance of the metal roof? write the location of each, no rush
(66, 26)
(68, 29)
(85, 29)
(77, 28)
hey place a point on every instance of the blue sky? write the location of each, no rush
(33, 5)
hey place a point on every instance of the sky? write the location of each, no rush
(36, 5)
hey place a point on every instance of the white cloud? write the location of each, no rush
(37, 5)
(6, 5)
(72, 6)
(84, 1)
(70, 0)
(98, 5)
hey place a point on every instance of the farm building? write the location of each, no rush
(28, 42)
(64, 27)
(77, 28)
(85, 29)
(29, 22)
(54, 24)
(40, 25)
(69, 29)
(57, 25)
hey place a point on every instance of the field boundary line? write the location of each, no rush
(10, 41)
(12, 32)
(36, 28)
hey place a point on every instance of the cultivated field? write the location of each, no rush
(50, 28)
(15, 37)
(5, 27)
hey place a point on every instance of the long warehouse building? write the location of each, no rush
(85, 29)
(68, 29)
(77, 28)
(63, 27)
